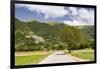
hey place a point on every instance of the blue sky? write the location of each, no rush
(44, 13)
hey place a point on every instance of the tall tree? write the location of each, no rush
(72, 36)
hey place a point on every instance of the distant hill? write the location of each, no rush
(39, 28)
(88, 30)
(27, 34)
(48, 29)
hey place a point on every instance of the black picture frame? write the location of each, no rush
(12, 35)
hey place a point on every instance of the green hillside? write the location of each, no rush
(37, 35)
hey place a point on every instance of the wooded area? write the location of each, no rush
(39, 36)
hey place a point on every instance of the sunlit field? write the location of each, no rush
(34, 57)
(87, 54)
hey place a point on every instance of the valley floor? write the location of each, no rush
(48, 57)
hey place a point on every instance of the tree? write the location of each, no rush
(72, 36)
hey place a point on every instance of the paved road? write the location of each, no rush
(57, 57)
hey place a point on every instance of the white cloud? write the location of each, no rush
(74, 23)
(73, 10)
(80, 16)
(48, 11)
(86, 15)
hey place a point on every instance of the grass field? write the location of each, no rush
(87, 54)
(22, 58)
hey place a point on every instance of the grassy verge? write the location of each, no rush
(87, 54)
(30, 57)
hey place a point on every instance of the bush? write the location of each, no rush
(83, 45)
(88, 44)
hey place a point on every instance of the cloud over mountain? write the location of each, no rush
(81, 16)
(48, 11)
(78, 15)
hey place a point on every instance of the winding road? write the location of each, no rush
(57, 57)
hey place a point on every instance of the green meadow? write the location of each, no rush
(87, 54)
(23, 58)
